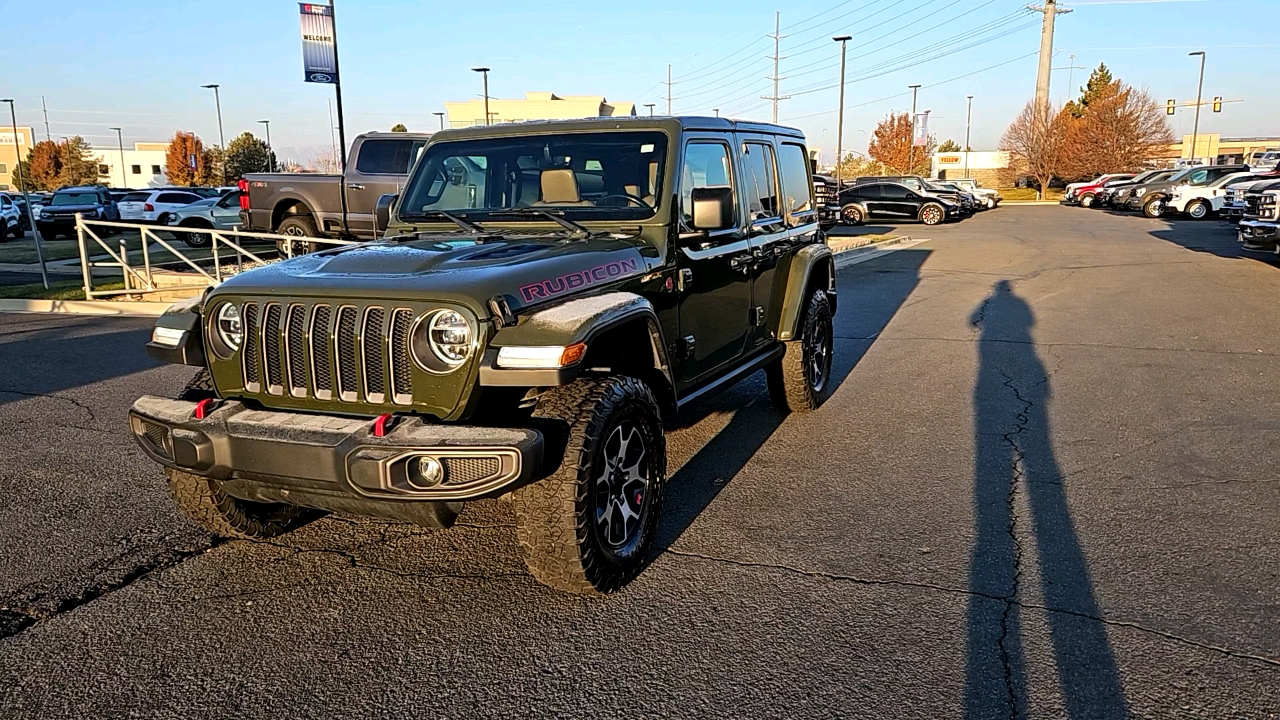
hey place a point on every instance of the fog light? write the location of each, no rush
(426, 472)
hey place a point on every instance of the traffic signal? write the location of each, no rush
(1168, 107)
(1217, 104)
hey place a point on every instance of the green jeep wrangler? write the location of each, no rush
(544, 295)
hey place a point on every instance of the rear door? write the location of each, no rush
(869, 196)
(715, 267)
(897, 201)
(767, 232)
(381, 167)
(169, 201)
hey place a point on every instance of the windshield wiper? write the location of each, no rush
(442, 215)
(580, 232)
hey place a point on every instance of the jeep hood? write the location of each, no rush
(525, 271)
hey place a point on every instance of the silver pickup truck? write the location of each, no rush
(312, 204)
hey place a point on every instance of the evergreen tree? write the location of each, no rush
(399, 127)
(248, 154)
(950, 146)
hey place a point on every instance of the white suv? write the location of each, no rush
(1199, 201)
(10, 218)
(148, 205)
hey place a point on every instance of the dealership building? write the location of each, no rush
(535, 106)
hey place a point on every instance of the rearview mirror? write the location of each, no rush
(382, 212)
(712, 208)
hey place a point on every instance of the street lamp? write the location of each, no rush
(968, 121)
(485, 72)
(124, 179)
(271, 166)
(844, 41)
(716, 111)
(911, 149)
(31, 218)
(1195, 128)
(441, 116)
(222, 140)
(650, 106)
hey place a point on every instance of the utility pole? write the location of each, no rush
(1195, 128)
(441, 116)
(777, 38)
(124, 179)
(968, 122)
(485, 72)
(911, 149)
(46, 119)
(333, 142)
(271, 165)
(843, 40)
(1050, 10)
(668, 83)
(25, 174)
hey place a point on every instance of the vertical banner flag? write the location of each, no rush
(921, 137)
(319, 52)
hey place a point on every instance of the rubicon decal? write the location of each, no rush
(601, 273)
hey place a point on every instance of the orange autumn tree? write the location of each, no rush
(1118, 129)
(891, 146)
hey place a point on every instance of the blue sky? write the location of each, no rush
(140, 63)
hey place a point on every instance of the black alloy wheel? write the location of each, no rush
(851, 215)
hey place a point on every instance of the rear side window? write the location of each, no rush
(762, 183)
(388, 157)
(706, 164)
(869, 192)
(894, 192)
(177, 198)
(797, 190)
(136, 197)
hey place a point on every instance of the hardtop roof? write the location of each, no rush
(602, 124)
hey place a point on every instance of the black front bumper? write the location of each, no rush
(1258, 236)
(335, 456)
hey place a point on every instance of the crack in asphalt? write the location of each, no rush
(909, 584)
(1017, 475)
(54, 396)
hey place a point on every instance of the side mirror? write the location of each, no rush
(382, 212)
(712, 208)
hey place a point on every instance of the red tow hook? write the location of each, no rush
(206, 406)
(383, 424)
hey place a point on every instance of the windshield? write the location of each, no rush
(75, 198)
(605, 176)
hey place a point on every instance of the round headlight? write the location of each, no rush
(227, 325)
(449, 335)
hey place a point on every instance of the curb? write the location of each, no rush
(870, 251)
(85, 307)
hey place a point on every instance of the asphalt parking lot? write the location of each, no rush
(1044, 487)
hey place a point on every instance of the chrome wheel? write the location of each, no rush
(1086, 201)
(1198, 211)
(622, 485)
(931, 215)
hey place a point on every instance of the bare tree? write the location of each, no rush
(1036, 143)
(1121, 129)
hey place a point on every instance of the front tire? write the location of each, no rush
(932, 214)
(191, 235)
(1086, 201)
(588, 527)
(1198, 210)
(800, 380)
(205, 503)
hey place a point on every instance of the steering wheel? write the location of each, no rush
(626, 196)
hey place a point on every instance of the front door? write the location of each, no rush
(714, 268)
(380, 169)
(897, 201)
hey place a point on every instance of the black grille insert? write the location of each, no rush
(271, 349)
(371, 340)
(401, 366)
(345, 342)
(252, 353)
(321, 368)
(296, 349)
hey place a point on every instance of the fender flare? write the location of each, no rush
(573, 321)
(811, 265)
(289, 198)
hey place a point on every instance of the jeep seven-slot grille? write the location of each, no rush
(352, 353)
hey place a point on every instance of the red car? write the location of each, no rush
(1084, 194)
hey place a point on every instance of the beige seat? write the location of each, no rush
(560, 187)
(648, 196)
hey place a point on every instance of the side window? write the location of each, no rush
(797, 190)
(869, 192)
(386, 157)
(762, 184)
(706, 164)
(1198, 177)
(894, 192)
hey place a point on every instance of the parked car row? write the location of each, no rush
(1196, 192)
(55, 212)
(900, 197)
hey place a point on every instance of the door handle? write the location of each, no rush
(354, 186)
(741, 263)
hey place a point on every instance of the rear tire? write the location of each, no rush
(193, 238)
(299, 226)
(588, 527)
(1154, 207)
(800, 380)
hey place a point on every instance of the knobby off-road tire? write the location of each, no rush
(203, 501)
(575, 527)
(800, 380)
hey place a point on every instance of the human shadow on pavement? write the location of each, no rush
(58, 359)
(1014, 459)
(870, 294)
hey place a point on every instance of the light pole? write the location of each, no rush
(13, 116)
(650, 106)
(271, 165)
(441, 116)
(124, 179)
(222, 140)
(844, 41)
(968, 122)
(716, 111)
(911, 149)
(485, 72)
(1195, 128)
